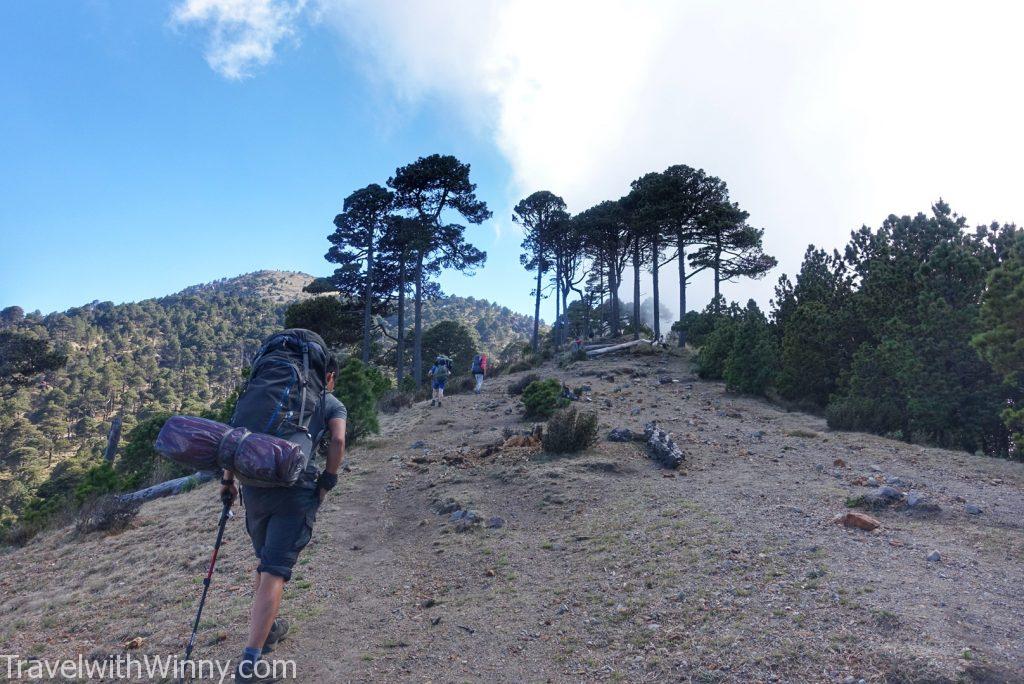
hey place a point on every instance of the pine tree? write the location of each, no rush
(355, 389)
(731, 248)
(751, 364)
(354, 246)
(1001, 338)
(427, 189)
(539, 214)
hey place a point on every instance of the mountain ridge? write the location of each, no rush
(179, 353)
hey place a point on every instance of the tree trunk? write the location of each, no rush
(718, 283)
(608, 349)
(558, 303)
(636, 291)
(169, 487)
(536, 310)
(367, 295)
(417, 340)
(682, 291)
(654, 290)
(613, 283)
(113, 437)
(400, 343)
(565, 306)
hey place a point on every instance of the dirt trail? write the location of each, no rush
(607, 568)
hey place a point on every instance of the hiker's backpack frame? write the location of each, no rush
(286, 386)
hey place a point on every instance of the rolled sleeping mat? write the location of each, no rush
(257, 459)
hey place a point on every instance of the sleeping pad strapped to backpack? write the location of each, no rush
(286, 385)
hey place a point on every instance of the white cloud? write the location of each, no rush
(820, 116)
(243, 33)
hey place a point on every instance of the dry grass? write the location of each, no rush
(604, 569)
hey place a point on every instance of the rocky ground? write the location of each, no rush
(448, 554)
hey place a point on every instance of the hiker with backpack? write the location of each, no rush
(479, 370)
(288, 395)
(438, 374)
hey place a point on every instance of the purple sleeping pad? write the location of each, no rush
(257, 459)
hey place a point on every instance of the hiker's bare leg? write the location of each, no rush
(265, 605)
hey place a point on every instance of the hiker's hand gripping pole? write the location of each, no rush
(225, 514)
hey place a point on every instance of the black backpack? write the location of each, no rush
(286, 384)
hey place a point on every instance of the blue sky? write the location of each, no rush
(147, 146)
(130, 169)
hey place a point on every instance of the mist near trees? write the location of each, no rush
(681, 216)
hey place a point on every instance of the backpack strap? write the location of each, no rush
(305, 382)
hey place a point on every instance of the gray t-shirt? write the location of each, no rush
(330, 409)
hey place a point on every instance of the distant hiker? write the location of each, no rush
(479, 370)
(439, 373)
(280, 519)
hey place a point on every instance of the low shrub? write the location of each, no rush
(395, 400)
(542, 397)
(516, 387)
(519, 367)
(460, 385)
(107, 514)
(99, 480)
(715, 352)
(355, 389)
(569, 431)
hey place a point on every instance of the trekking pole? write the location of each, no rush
(224, 515)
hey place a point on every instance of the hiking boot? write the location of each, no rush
(277, 632)
(433, 402)
(253, 672)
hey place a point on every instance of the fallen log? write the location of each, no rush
(661, 447)
(168, 488)
(617, 347)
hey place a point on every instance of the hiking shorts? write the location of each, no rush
(438, 383)
(279, 521)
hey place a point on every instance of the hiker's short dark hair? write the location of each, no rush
(332, 364)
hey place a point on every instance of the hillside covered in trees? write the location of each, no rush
(180, 354)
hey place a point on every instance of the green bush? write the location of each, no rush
(542, 397)
(451, 339)
(715, 351)
(875, 397)
(569, 431)
(139, 463)
(100, 479)
(808, 359)
(379, 382)
(328, 317)
(355, 389)
(751, 363)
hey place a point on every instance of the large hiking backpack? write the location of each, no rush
(441, 370)
(286, 385)
(285, 389)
